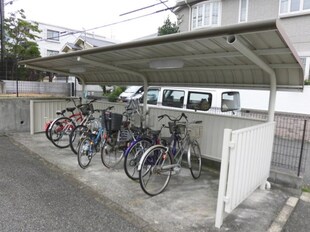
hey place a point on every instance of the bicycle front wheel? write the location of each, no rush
(133, 155)
(76, 136)
(155, 172)
(194, 159)
(60, 131)
(47, 130)
(85, 152)
(112, 152)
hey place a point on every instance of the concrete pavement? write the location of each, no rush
(186, 205)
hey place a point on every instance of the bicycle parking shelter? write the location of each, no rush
(251, 56)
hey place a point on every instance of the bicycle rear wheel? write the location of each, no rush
(112, 152)
(133, 155)
(60, 131)
(76, 136)
(85, 152)
(155, 172)
(194, 159)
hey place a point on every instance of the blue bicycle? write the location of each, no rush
(92, 140)
(145, 139)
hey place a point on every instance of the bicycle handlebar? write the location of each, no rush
(160, 117)
(106, 109)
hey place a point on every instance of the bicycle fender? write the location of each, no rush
(145, 154)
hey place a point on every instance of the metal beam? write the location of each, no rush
(115, 68)
(239, 44)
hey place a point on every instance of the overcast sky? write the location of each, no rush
(87, 14)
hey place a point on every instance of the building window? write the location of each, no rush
(51, 52)
(243, 11)
(306, 63)
(53, 35)
(206, 14)
(294, 6)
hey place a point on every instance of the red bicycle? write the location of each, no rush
(60, 129)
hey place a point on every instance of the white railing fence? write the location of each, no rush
(210, 131)
(42, 111)
(246, 159)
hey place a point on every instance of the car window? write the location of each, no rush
(199, 101)
(152, 96)
(173, 98)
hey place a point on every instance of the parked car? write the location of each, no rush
(193, 98)
(130, 92)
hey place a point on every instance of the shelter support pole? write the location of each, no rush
(237, 43)
(83, 89)
(112, 67)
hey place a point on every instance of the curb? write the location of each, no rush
(305, 197)
(284, 215)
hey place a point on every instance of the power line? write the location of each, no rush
(164, 3)
(142, 8)
(110, 24)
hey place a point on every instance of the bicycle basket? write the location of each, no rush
(178, 128)
(93, 125)
(87, 109)
(112, 121)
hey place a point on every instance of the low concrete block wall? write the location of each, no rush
(14, 115)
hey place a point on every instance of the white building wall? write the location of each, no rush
(291, 102)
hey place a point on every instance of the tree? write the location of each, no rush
(168, 28)
(20, 44)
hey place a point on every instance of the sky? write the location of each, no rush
(88, 14)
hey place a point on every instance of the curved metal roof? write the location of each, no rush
(209, 60)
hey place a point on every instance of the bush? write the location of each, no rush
(113, 97)
(307, 82)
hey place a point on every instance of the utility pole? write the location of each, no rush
(2, 38)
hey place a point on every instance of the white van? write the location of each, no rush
(194, 98)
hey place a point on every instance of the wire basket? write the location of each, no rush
(195, 132)
(112, 121)
(179, 128)
(93, 124)
(87, 109)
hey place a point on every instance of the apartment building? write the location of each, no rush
(294, 16)
(56, 40)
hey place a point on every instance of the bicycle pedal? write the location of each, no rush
(176, 170)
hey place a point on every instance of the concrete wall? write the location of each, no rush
(14, 115)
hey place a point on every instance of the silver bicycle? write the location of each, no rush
(160, 162)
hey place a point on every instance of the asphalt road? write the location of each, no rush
(36, 196)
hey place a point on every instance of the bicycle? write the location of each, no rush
(61, 128)
(144, 140)
(160, 162)
(118, 135)
(92, 141)
(88, 122)
(59, 113)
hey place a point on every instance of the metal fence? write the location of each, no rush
(291, 146)
(292, 143)
(32, 87)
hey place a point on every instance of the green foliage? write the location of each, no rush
(168, 28)
(307, 82)
(19, 45)
(306, 189)
(112, 97)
